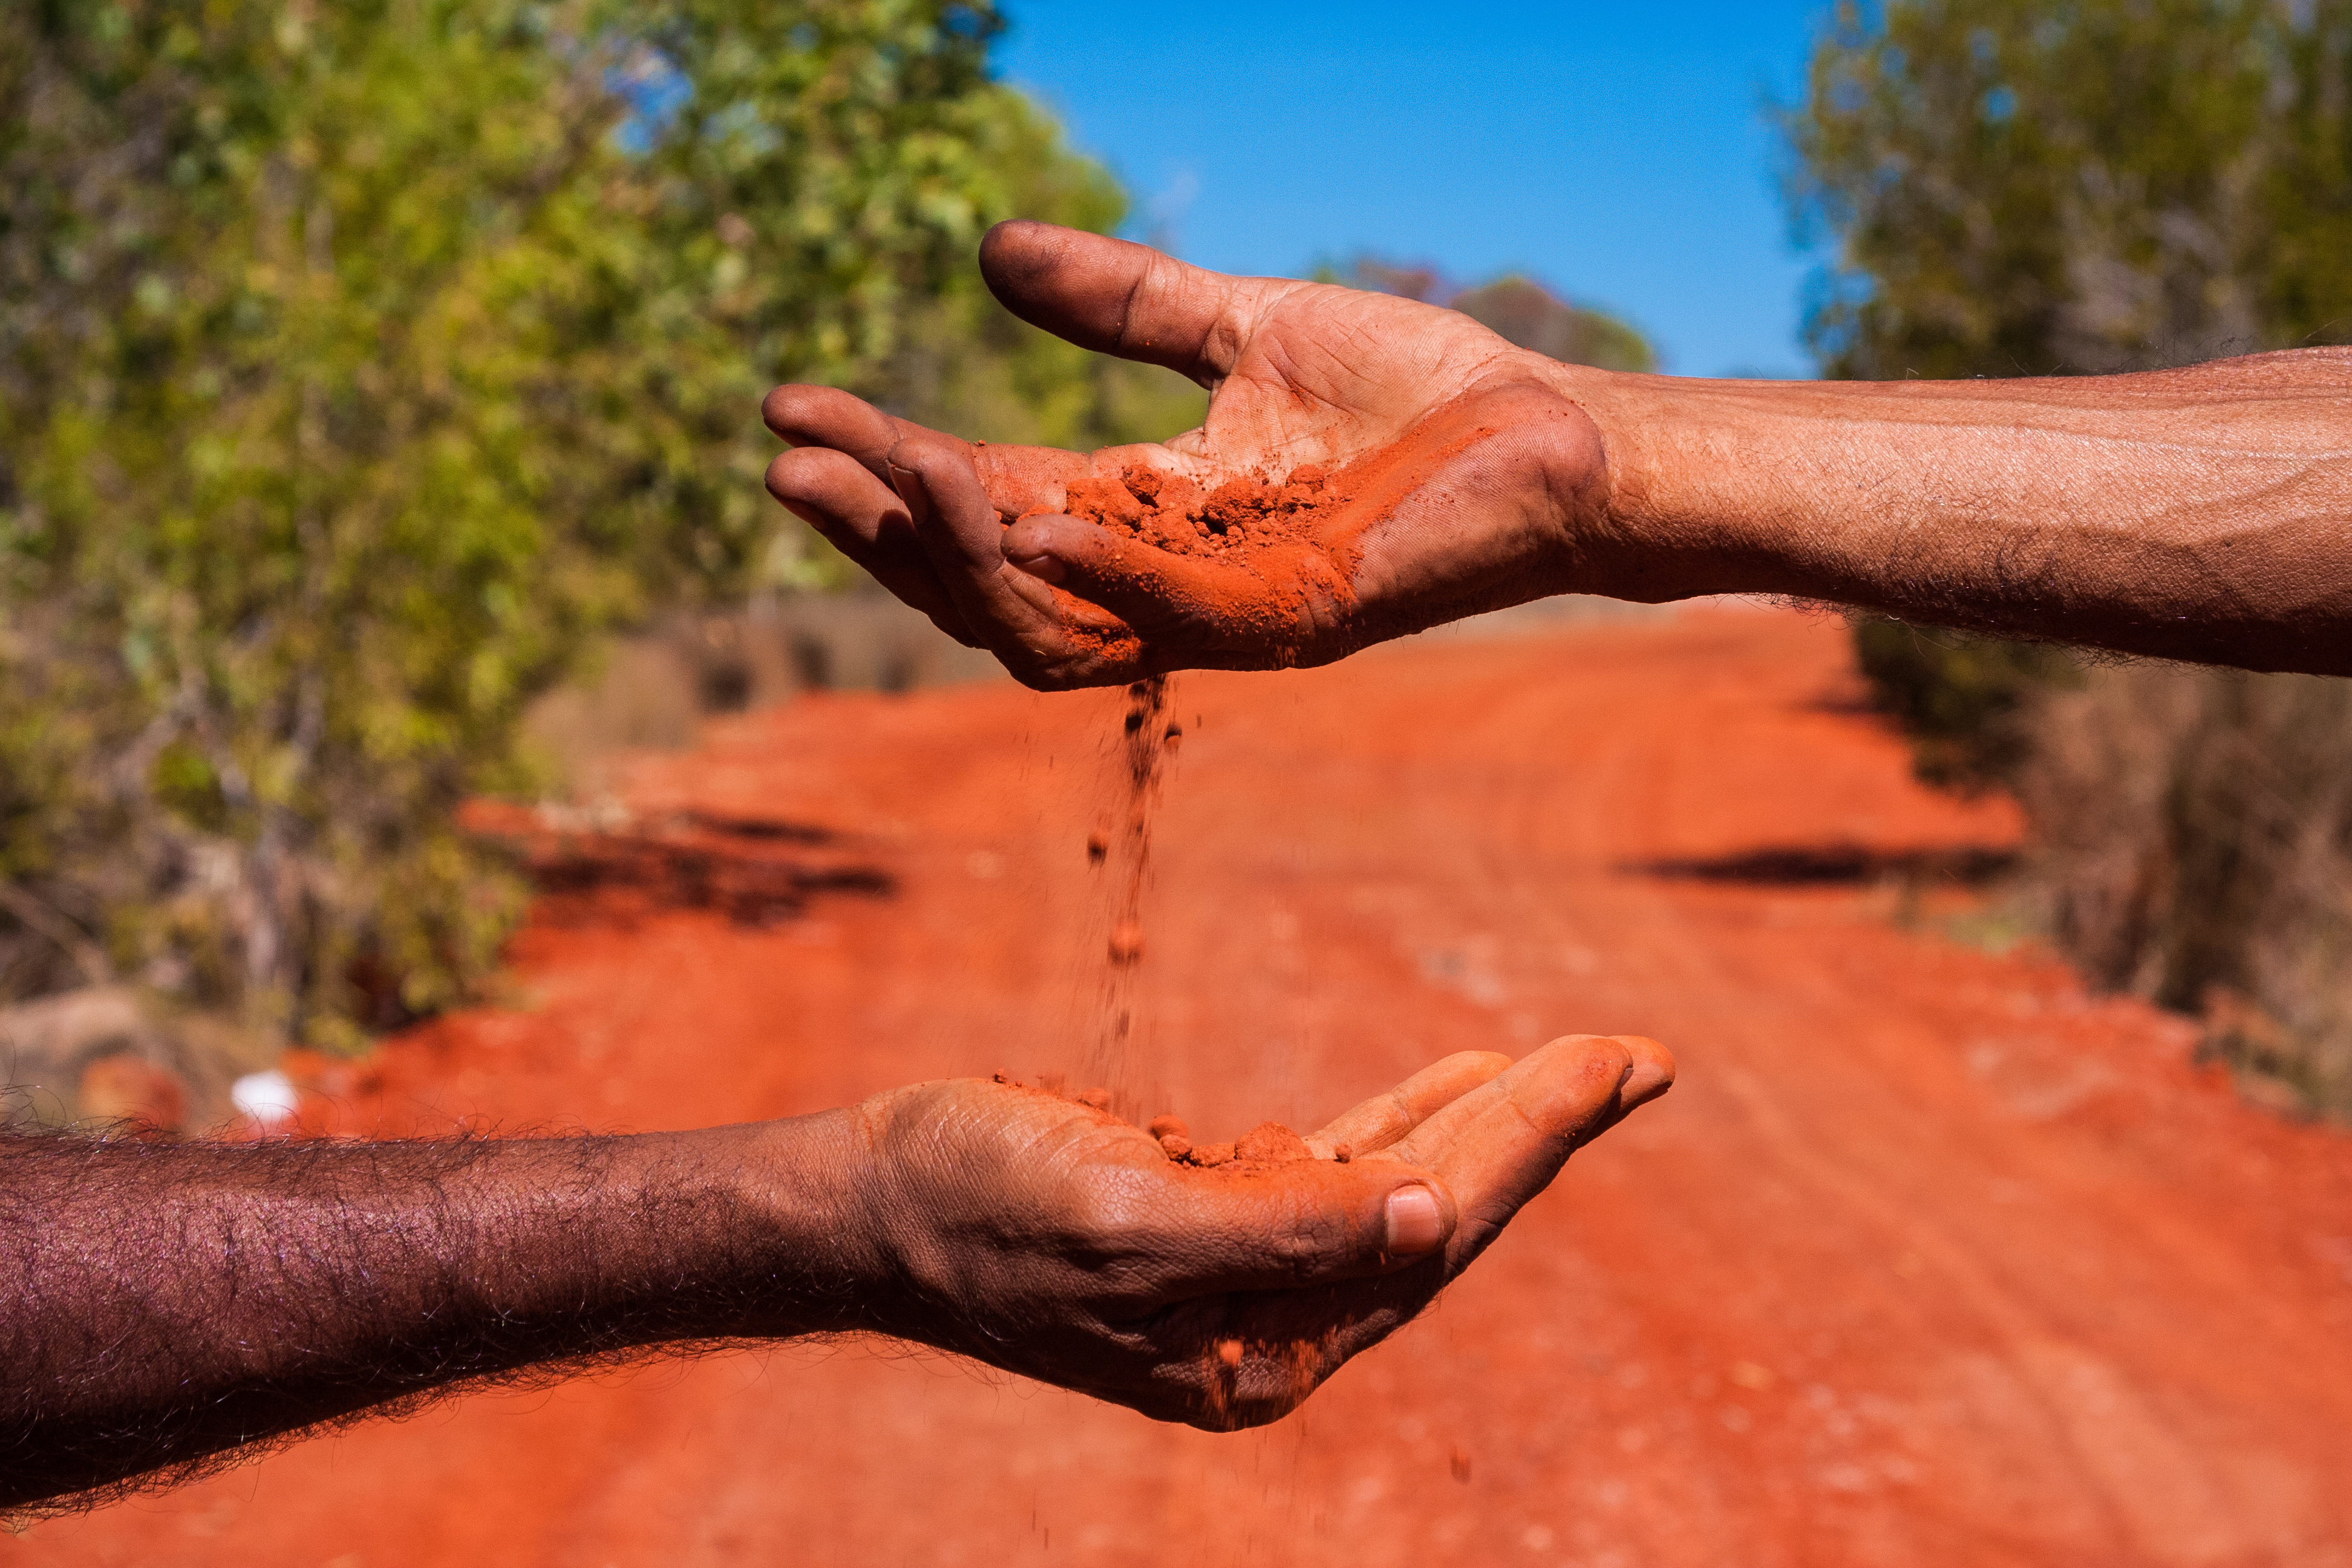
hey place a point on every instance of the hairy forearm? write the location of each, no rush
(2203, 513)
(173, 1302)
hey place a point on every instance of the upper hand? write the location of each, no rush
(1472, 478)
(1049, 1237)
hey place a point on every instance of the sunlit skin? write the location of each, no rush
(176, 1302)
(2203, 513)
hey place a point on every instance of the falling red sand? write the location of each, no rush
(1928, 1259)
(1146, 739)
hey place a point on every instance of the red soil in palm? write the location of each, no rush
(1239, 519)
(1928, 1259)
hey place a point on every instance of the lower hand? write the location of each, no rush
(1050, 1238)
(1457, 474)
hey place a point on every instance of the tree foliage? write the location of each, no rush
(359, 362)
(2022, 187)
(1966, 701)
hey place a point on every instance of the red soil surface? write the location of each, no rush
(1928, 1259)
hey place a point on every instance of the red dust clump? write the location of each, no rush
(1267, 1143)
(1126, 942)
(1175, 1137)
(1281, 536)
(1270, 1143)
(1236, 519)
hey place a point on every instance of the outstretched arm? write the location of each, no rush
(172, 1305)
(1434, 470)
(2203, 513)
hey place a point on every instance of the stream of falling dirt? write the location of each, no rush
(1120, 848)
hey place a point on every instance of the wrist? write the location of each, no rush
(813, 1188)
(1644, 536)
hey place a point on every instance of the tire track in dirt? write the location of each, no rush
(1928, 1259)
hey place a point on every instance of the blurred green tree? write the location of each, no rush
(2019, 188)
(2022, 188)
(359, 362)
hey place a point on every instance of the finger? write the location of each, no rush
(1652, 1073)
(1255, 612)
(1384, 1119)
(1012, 612)
(1017, 478)
(1306, 1222)
(1119, 298)
(828, 416)
(1499, 1145)
(1023, 479)
(867, 521)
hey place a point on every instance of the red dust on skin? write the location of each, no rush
(1242, 1381)
(1275, 536)
(1241, 521)
(1267, 1143)
(1242, 562)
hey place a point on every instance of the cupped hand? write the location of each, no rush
(1047, 1236)
(1446, 472)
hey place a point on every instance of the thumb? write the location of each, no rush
(1503, 1142)
(1115, 296)
(1306, 1222)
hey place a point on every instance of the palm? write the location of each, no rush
(1463, 460)
(1327, 374)
(1072, 1249)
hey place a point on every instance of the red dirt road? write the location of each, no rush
(1927, 1260)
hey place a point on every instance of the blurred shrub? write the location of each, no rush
(358, 362)
(1525, 312)
(2194, 845)
(2019, 188)
(1966, 701)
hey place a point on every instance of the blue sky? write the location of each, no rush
(1620, 153)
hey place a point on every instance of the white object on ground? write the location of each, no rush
(269, 1097)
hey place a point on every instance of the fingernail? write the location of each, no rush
(1414, 1224)
(1649, 1075)
(1045, 568)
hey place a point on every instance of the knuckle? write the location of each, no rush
(1299, 1239)
(924, 453)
